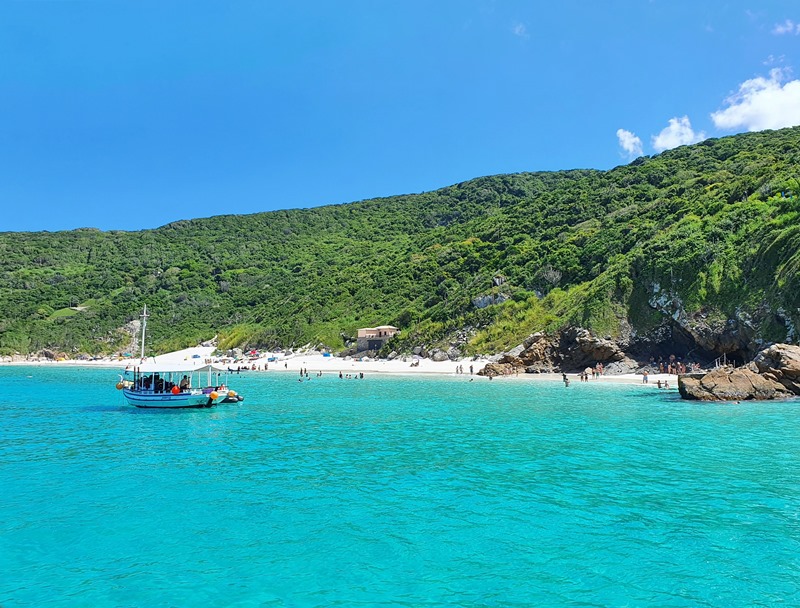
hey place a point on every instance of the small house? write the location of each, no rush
(373, 338)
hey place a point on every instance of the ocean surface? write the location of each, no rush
(395, 491)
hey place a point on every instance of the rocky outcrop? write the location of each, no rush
(579, 348)
(740, 384)
(773, 374)
(781, 362)
(739, 335)
(572, 349)
(539, 354)
(505, 366)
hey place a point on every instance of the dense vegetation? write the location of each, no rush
(712, 229)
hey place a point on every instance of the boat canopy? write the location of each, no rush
(177, 366)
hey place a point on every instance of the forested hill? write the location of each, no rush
(698, 246)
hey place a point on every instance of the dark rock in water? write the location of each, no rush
(740, 384)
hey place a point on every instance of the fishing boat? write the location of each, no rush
(176, 384)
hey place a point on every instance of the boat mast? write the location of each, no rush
(144, 326)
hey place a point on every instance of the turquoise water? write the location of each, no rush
(395, 491)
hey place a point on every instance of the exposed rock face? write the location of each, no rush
(505, 366)
(539, 353)
(575, 348)
(579, 348)
(489, 300)
(736, 336)
(774, 373)
(781, 362)
(740, 384)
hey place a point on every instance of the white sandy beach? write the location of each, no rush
(315, 362)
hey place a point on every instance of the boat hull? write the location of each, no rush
(168, 400)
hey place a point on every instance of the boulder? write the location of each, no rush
(740, 384)
(539, 368)
(540, 352)
(439, 355)
(453, 353)
(625, 365)
(781, 362)
(497, 369)
(512, 359)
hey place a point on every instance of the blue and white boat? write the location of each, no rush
(175, 384)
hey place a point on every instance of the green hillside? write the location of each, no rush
(698, 246)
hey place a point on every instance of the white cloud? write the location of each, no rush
(762, 103)
(630, 143)
(787, 27)
(520, 30)
(679, 132)
(772, 60)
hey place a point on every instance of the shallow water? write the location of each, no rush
(395, 491)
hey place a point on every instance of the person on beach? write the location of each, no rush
(644, 377)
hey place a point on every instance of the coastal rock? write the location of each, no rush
(540, 352)
(517, 350)
(740, 384)
(579, 348)
(623, 366)
(513, 361)
(781, 362)
(574, 348)
(734, 336)
(539, 368)
(497, 369)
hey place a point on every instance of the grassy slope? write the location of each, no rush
(715, 224)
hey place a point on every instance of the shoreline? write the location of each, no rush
(316, 362)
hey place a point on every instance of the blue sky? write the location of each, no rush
(130, 114)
